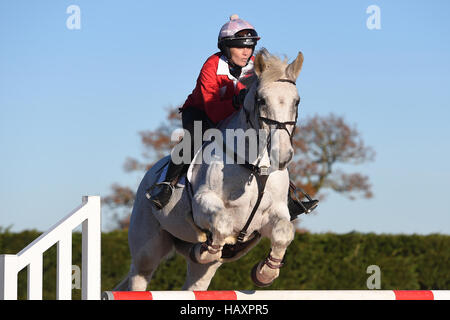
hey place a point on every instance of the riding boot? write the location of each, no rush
(297, 207)
(161, 196)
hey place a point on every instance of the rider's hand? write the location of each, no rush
(238, 100)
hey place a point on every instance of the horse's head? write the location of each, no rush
(272, 104)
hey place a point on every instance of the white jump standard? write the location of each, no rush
(88, 214)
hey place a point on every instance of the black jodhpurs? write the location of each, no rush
(188, 116)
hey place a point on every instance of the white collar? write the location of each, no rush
(224, 70)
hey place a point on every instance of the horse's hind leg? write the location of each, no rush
(199, 276)
(149, 244)
(281, 235)
(147, 260)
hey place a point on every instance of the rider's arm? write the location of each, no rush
(215, 108)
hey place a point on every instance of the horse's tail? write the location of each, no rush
(124, 284)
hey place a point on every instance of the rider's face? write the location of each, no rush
(240, 56)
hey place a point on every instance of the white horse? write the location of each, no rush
(203, 220)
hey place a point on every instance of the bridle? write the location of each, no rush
(259, 101)
(278, 124)
(262, 173)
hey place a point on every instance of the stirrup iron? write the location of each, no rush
(148, 194)
(303, 192)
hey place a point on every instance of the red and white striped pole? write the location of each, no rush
(280, 295)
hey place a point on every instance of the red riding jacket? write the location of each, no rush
(216, 87)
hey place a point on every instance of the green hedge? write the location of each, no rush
(313, 261)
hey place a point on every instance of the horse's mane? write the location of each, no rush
(275, 67)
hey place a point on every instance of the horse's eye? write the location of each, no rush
(261, 101)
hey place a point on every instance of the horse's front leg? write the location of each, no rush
(281, 233)
(210, 213)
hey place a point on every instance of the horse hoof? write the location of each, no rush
(257, 281)
(192, 254)
(199, 253)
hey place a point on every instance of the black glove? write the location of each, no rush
(238, 100)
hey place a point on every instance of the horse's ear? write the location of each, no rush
(293, 70)
(259, 64)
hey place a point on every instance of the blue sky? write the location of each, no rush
(73, 101)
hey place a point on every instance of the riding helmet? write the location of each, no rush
(236, 33)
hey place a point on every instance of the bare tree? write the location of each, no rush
(322, 143)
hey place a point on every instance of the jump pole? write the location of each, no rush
(280, 295)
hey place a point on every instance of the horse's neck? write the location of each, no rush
(235, 121)
(239, 121)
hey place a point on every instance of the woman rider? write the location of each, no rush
(218, 93)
